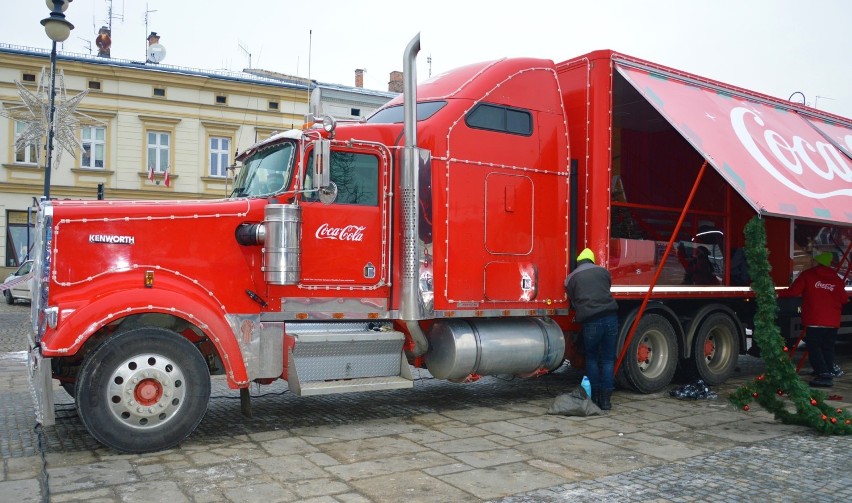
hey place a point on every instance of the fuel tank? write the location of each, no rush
(461, 347)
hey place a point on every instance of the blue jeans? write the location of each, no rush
(599, 337)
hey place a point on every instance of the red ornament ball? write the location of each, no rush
(833, 420)
(839, 411)
(786, 349)
(848, 422)
(780, 392)
(813, 402)
(824, 417)
(760, 377)
(745, 408)
(754, 394)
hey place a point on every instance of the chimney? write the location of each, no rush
(359, 77)
(395, 84)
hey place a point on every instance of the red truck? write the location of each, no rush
(438, 234)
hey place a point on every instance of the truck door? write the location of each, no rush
(345, 243)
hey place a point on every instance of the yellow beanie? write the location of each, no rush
(586, 254)
(824, 258)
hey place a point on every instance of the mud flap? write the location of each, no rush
(41, 387)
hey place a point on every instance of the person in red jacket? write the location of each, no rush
(823, 295)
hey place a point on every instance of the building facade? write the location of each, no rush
(144, 131)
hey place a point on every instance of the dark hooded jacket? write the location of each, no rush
(588, 289)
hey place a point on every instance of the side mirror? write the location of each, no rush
(322, 163)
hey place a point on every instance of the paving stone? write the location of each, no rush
(269, 492)
(395, 464)
(91, 475)
(290, 468)
(502, 480)
(413, 486)
(310, 488)
(19, 491)
(482, 459)
(370, 448)
(152, 491)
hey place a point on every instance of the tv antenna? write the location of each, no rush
(88, 42)
(147, 18)
(112, 15)
(823, 97)
(246, 52)
(429, 61)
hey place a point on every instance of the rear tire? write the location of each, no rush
(715, 349)
(143, 390)
(651, 359)
(9, 299)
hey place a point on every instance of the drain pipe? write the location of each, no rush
(410, 302)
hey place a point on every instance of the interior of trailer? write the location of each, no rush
(653, 172)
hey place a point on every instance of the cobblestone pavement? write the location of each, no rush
(486, 441)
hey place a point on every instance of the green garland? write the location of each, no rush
(780, 378)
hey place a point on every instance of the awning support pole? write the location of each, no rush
(848, 259)
(660, 267)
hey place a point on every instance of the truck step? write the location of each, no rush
(326, 358)
(352, 385)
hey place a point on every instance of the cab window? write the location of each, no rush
(356, 176)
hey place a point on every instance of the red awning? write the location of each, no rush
(782, 163)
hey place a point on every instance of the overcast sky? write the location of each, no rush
(774, 47)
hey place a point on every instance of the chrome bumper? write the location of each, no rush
(41, 387)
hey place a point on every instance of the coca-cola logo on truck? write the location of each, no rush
(794, 161)
(345, 233)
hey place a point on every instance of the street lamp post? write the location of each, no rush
(58, 29)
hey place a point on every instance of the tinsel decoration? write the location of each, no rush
(802, 405)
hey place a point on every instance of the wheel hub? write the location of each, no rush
(709, 349)
(146, 391)
(643, 353)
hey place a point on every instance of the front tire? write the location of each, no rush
(651, 358)
(143, 390)
(9, 299)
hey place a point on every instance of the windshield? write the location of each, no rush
(266, 171)
(394, 114)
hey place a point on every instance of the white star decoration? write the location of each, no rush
(35, 113)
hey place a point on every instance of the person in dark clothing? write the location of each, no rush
(588, 289)
(823, 295)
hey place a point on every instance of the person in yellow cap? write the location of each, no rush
(588, 289)
(823, 295)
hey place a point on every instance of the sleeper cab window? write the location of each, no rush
(500, 118)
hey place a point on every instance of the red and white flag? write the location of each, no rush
(166, 179)
(151, 173)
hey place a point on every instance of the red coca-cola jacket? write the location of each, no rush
(823, 295)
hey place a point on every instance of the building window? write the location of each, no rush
(27, 154)
(19, 237)
(29, 77)
(158, 151)
(219, 149)
(501, 119)
(221, 99)
(273, 105)
(94, 85)
(160, 92)
(94, 147)
(355, 112)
